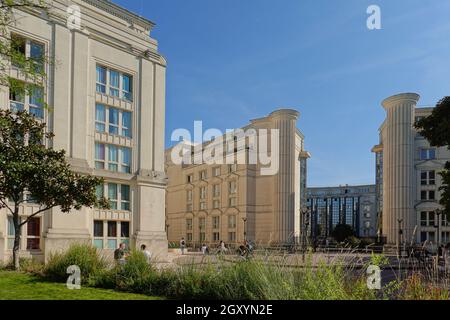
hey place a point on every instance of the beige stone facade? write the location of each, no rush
(206, 203)
(407, 176)
(106, 94)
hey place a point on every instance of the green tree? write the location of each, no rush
(32, 172)
(342, 232)
(436, 129)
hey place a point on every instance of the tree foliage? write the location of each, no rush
(32, 172)
(436, 129)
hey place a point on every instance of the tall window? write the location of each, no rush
(201, 224)
(113, 121)
(216, 222)
(203, 193)
(11, 233)
(119, 195)
(231, 221)
(113, 158)
(116, 232)
(189, 195)
(100, 118)
(203, 175)
(216, 171)
(23, 49)
(232, 187)
(119, 121)
(188, 224)
(29, 98)
(216, 190)
(114, 83)
(33, 234)
(231, 236)
(428, 178)
(127, 89)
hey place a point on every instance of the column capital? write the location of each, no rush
(399, 99)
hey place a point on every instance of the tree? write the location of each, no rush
(32, 172)
(342, 232)
(436, 129)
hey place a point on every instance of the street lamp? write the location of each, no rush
(305, 220)
(245, 228)
(400, 232)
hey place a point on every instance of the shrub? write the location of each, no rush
(84, 256)
(416, 288)
(31, 265)
(135, 275)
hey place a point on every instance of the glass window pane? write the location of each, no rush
(11, 230)
(124, 229)
(114, 78)
(34, 227)
(101, 75)
(125, 192)
(112, 229)
(100, 114)
(98, 228)
(112, 244)
(99, 151)
(126, 124)
(99, 191)
(113, 153)
(112, 191)
(98, 243)
(113, 121)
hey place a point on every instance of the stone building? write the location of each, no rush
(106, 97)
(407, 176)
(234, 201)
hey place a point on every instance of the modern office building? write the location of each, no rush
(351, 205)
(407, 176)
(106, 97)
(234, 201)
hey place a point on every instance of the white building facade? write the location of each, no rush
(106, 97)
(408, 179)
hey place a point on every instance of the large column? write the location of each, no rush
(284, 209)
(150, 214)
(71, 50)
(398, 166)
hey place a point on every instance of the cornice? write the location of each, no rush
(121, 13)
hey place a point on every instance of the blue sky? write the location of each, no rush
(231, 60)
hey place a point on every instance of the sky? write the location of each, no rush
(230, 61)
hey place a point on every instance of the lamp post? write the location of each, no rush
(245, 228)
(305, 223)
(400, 232)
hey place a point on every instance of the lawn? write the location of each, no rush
(20, 286)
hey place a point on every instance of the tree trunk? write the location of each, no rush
(16, 247)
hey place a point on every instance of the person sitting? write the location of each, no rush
(147, 254)
(120, 254)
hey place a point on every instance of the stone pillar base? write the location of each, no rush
(3, 259)
(58, 240)
(156, 243)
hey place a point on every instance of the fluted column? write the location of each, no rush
(284, 212)
(398, 167)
